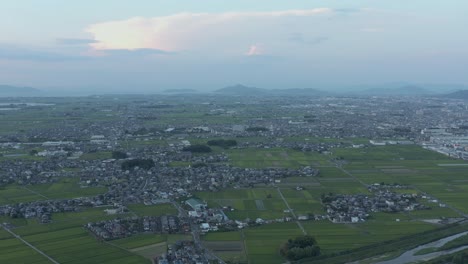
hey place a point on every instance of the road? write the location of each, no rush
(196, 235)
(29, 245)
(292, 211)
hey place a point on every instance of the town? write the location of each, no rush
(119, 152)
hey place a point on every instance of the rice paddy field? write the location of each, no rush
(62, 189)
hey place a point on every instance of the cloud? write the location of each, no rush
(254, 50)
(75, 41)
(135, 52)
(347, 10)
(212, 32)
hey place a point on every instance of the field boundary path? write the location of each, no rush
(244, 245)
(40, 194)
(292, 212)
(29, 245)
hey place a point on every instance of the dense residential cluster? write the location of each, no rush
(183, 252)
(44, 209)
(354, 208)
(125, 227)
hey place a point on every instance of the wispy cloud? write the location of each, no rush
(254, 50)
(135, 52)
(75, 41)
(27, 54)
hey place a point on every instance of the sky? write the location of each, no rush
(153, 45)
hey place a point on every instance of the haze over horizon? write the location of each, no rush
(117, 46)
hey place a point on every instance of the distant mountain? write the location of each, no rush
(246, 90)
(299, 91)
(462, 94)
(407, 90)
(180, 91)
(7, 90)
(240, 89)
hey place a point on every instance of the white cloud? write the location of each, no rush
(254, 50)
(227, 32)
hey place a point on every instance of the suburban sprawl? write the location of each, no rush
(228, 178)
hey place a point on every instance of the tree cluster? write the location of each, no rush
(224, 143)
(300, 247)
(119, 155)
(198, 149)
(141, 163)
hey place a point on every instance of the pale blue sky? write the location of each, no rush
(206, 44)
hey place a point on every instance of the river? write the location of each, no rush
(409, 256)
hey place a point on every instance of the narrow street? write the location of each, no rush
(291, 211)
(196, 235)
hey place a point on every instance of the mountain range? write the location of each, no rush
(240, 89)
(397, 89)
(8, 90)
(462, 94)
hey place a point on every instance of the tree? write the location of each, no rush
(198, 149)
(119, 155)
(141, 163)
(224, 143)
(300, 247)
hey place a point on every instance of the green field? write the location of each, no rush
(14, 251)
(66, 188)
(74, 245)
(63, 189)
(254, 203)
(152, 210)
(276, 158)
(140, 241)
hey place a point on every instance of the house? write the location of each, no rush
(303, 217)
(205, 227)
(195, 204)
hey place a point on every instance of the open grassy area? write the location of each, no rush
(14, 251)
(279, 158)
(66, 188)
(74, 245)
(153, 210)
(254, 203)
(16, 194)
(63, 189)
(263, 242)
(139, 240)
